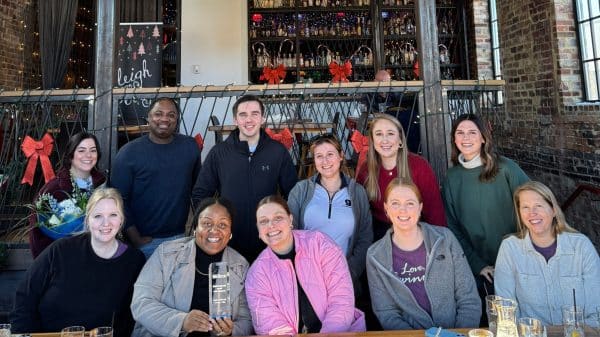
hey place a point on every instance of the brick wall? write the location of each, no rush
(19, 55)
(548, 129)
(480, 40)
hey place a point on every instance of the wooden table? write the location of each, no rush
(552, 331)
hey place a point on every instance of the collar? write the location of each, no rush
(473, 163)
(342, 176)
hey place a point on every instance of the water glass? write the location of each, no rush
(5, 330)
(490, 310)
(73, 331)
(480, 333)
(103, 331)
(573, 322)
(530, 327)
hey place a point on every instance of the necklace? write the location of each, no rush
(199, 272)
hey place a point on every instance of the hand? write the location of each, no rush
(488, 273)
(222, 326)
(197, 320)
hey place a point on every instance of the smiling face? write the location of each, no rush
(275, 227)
(386, 138)
(536, 214)
(249, 119)
(162, 121)
(85, 158)
(213, 230)
(468, 139)
(403, 207)
(104, 221)
(327, 160)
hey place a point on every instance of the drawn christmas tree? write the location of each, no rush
(141, 49)
(155, 32)
(143, 34)
(121, 41)
(130, 32)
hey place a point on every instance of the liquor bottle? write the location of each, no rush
(358, 26)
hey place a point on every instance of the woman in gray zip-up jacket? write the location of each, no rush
(334, 204)
(446, 295)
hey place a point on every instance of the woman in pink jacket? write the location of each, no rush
(301, 282)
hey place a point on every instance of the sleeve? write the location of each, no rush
(242, 322)
(455, 226)
(387, 312)
(364, 239)
(287, 176)
(267, 318)
(504, 281)
(197, 163)
(468, 303)
(26, 316)
(146, 305)
(515, 175)
(295, 200)
(339, 315)
(121, 178)
(591, 279)
(433, 207)
(207, 183)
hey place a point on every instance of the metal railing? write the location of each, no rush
(308, 109)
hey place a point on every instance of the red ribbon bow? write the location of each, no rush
(273, 75)
(200, 141)
(360, 144)
(285, 137)
(38, 149)
(340, 72)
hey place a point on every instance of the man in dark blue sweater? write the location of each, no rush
(245, 168)
(155, 175)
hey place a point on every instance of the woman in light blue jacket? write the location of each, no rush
(541, 265)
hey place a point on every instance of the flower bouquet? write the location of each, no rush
(61, 219)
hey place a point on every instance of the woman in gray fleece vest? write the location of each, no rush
(418, 274)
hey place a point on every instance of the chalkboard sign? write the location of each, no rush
(139, 65)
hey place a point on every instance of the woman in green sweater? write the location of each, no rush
(478, 193)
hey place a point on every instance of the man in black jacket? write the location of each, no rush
(246, 167)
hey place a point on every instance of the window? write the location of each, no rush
(588, 26)
(497, 67)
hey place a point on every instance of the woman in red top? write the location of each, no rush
(389, 158)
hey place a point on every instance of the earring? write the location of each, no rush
(230, 236)
(194, 232)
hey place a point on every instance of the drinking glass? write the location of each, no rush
(103, 331)
(490, 310)
(480, 333)
(573, 322)
(73, 331)
(5, 330)
(530, 327)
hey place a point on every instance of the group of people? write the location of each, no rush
(429, 254)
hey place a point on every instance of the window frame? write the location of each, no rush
(589, 93)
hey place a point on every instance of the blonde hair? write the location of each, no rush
(559, 223)
(398, 182)
(374, 161)
(104, 193)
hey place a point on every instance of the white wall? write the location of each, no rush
(214, 36)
